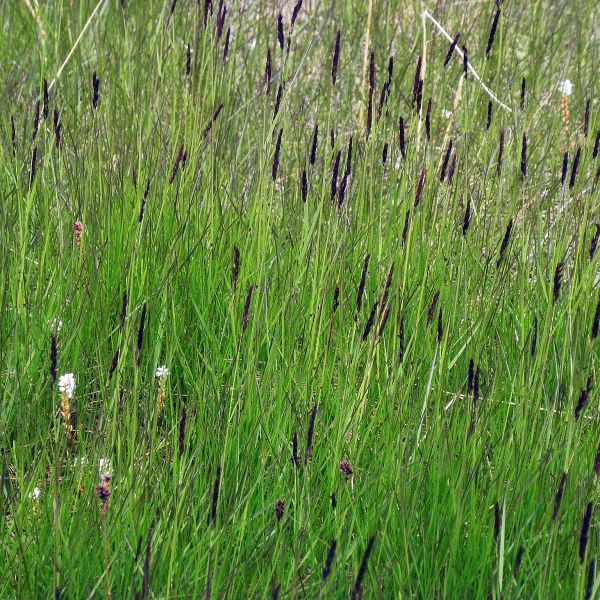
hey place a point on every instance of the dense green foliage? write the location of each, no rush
(170, 174)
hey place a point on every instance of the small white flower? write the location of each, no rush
(104, 467)
(55, 325)
(66, 384)
(446, 113)
(565, 87)
(162, 372)
(35, 494)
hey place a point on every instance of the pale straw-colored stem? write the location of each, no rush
(80, 37)
(460, 53)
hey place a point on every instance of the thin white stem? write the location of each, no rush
(461, 54)
(85, 27)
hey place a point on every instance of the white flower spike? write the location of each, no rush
(55, 325)
(162, 372)
(565, 87)
(66, 384)
(35, 494)
(104, 467)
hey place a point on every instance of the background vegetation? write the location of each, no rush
(466, 486)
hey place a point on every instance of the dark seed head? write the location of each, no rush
(267, 75)
(451, 49)
(334, 174)
(95, 90)
(428, 120)
(384, 320)
(500, 152)
(489, 115)
(227, 42)
(586, 118)
(496, 520)
(594, 242)
(565, 168)
(182, 424)
(336, 300)
(470, 376)
(309, 436)
(406, 224)
(295, 12)
(505, 241)
(518, 560)
(440, 327)
(279, 509)
(534, 336)
(304, 185)
(346, 468)
(13, 130)
(523, 94)
(524, 156)
(465, 61)
(46, 108)
(276, 155)
(402, 141)
(113, 364)
(419, 188)
(235, 268)
(280, 37)
(215, 498)
(559, 496)
(361, 286)
(246, 313)
(177, 163)
(596, 145)
(589, 585)
(596, 322)
(278, 100)
(188, 60)
(313, 149)
(583, 398)
(295, 458)
(574, 168)
(492, 32)
(329, 559)
(557, 280)
(585, 529)
(370, 321)
(432, 307)
(417, 80)
(336, 58)
(452, 169)
(357, 589)
(467, 218)
(36, 121)
(33, 165)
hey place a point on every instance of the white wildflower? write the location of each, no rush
(55, 325)
(162, 372)
(446, 113)
(565, 87)
(104, 467)
(66, 384)
(35, 494)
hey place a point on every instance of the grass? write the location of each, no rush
(452, 484)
